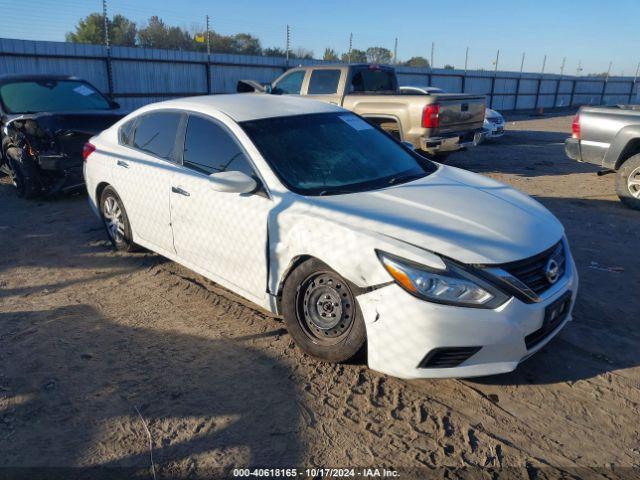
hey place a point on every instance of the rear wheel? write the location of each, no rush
(628, 182)
(115, 220)
(322, 314)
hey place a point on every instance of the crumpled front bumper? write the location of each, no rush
(402, 330)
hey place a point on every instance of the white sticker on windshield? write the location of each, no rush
(83, 90)
(355, 122)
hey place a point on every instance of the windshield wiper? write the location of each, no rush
(404, 178)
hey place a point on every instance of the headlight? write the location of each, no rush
(453, 286)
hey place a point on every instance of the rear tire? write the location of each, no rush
(322, 314)
(116, 221)
(628, 182)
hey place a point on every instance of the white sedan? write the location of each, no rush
(358, 242)
(494, 123)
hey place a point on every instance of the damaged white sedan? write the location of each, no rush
(357, 241)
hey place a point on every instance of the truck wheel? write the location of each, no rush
(628, 182)
(321, 313)
(115, 220)
(23, 173)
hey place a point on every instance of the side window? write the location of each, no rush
(210, 148)
(291, 84)
(126, 133)
(324, 82)
(156, 134)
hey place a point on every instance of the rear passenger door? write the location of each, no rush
(142, 176)
(325, 83)
(220, 234)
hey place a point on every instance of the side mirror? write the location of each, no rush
(232, 182)
(114, 105)
(409, 145)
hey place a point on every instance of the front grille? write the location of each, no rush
(447, 357)
(532, 271)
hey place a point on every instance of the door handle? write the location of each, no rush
(122, 163)
(180, 191)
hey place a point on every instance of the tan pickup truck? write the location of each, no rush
(438, 124)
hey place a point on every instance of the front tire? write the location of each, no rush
(115, 220)
(24, 175)
(628, 182)
(321, 313)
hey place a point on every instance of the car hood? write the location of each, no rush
(490, 113)
(452, 212)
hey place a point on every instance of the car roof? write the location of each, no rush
(9, 78)
(243, 107)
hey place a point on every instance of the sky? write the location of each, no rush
(591, 32)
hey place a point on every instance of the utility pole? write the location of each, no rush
(433, 47)
(564, 59)
(608, 72)
(208, 38)
(107, 44)
(522, 63)
(466, 60)
(288, 43)
(350, 45)
(579, 69)
(495, 70)
(106, 24)
(395, 52)
(544, 63)
(635, 80)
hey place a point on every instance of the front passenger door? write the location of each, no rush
(224, 235)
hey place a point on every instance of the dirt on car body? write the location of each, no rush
(97, 346)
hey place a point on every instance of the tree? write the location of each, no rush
(90, 29)
(246, 44)
(158, 35)
(274, 52)
(378, 55)
(330, 54)
(357, 56)
(303, 53)
(449, 67)
(417, 62)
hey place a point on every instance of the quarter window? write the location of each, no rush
(210, 148)
(126, 133)
(291, 83)
(156, 134)
(324, 82)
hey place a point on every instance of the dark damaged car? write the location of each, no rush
(44, 124)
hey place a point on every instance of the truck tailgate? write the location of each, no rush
(460, 112)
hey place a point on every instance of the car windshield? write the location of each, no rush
(333, 153)
(51, 96)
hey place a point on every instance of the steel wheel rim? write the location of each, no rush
(633, 183)
(326, 308)
(113, 219)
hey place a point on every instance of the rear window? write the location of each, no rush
(374, 80)
(324, 82)
(51, 96)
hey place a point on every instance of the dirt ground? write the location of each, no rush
(96, 345)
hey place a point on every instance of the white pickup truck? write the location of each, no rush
(437, 124)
